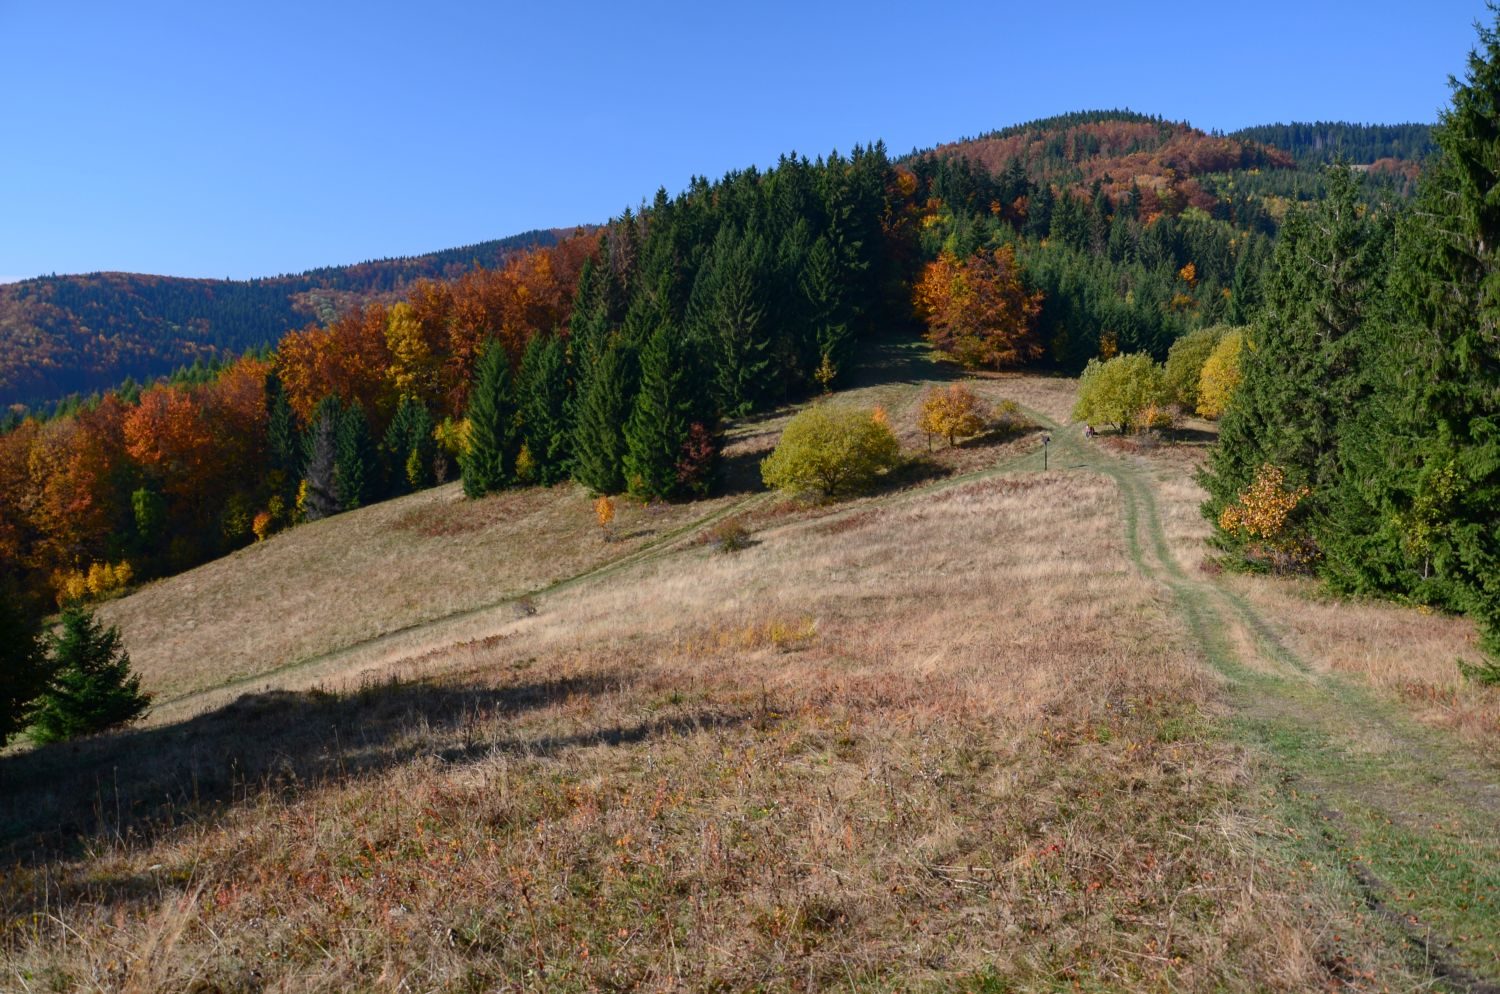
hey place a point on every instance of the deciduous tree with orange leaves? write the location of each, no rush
(979, 310)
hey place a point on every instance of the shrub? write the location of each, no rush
(729, 535)
(604, 512)
(1117, 391)
(92, 688)
(1260, 520)
(1008, 418)
(952, 413)
(831, 451)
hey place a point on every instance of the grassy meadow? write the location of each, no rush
(966, 733)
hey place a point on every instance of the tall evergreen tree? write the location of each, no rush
(409, 446)
(92, 688)
(543, 393)
(320, 445)
(828, 314)
(490, 463)
(664, 410)
(282, 444)
(1301, 374)
(357, 474)
(605, 400)
(728, 314)
(1423, 485)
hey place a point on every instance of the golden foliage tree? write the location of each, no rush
(1261, 519)
(979, 310)
(953, 413)
(1220, 376)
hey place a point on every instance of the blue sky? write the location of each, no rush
(240, 139)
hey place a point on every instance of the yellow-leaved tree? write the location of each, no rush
(953, 413)
(831, 450)
(1221, 375)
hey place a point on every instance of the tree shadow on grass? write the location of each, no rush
(906, 359)
(136, 784)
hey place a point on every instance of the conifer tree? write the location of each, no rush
(605, 401)
(92, 688)
(828, 315)
(544, 407)
(728, 313)
(409, 446)
(1421, 512)
(357, 472)
(493, 440)
(320, 444)
(1300, 373)
(282, 444)
(662, 415)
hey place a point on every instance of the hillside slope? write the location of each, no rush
(988, 729)
(67, 334)
(1121, 152)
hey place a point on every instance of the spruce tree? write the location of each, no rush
(1301, 373)
(728, 314)
(92, 688)
(659, 421)
(1422, 512)
(320, 445)
(828, 315)
(490, 463)
(23, 666)
(357, 474)
(605, 401)
(544, 407)
(409, 447)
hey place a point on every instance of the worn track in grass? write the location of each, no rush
(1411, 819)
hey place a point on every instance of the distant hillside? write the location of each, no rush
(73, 334)
(1121, 151)
(1362, 144)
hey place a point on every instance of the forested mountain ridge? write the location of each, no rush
(1121, 151)
(1324, 141)
(75, 334)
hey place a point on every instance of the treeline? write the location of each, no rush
(610, 357)
(1326, 142)
(76, 334)
(162, 477)
(1364, 440)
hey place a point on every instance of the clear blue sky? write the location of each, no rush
(248, 139)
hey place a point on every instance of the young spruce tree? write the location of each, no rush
(1301, 373)
(493, 441)
(92, 688)
(663, 413)
(544, 407)
(604, 405)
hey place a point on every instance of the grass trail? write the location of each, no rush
(1364, 789)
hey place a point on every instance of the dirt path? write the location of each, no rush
(1409, 818)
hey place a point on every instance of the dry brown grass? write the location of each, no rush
(1405, 651)
(329, 584)
(942, 741)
